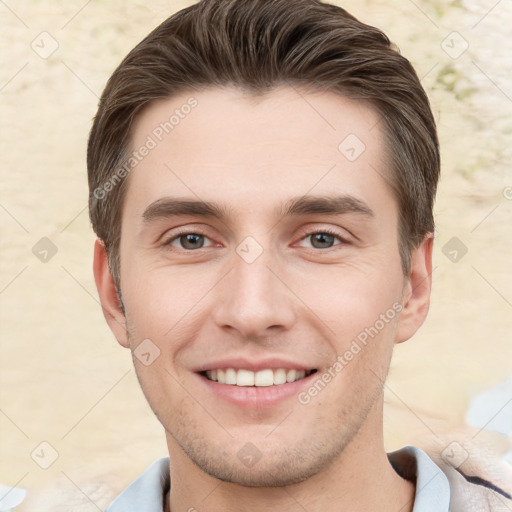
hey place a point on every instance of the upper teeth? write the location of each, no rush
(260, 378)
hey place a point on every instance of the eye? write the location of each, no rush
(188, 241)
(323, 239)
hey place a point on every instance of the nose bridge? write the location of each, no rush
(252, 298)
(253, 280)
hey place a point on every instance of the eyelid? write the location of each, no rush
(327, 230)
(167, 238)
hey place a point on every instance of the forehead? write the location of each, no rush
(225, 145)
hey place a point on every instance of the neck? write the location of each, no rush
(361, 478)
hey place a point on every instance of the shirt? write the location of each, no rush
(147, 493)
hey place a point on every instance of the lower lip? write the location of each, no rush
(256, 397)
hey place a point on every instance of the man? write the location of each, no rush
(262, 176)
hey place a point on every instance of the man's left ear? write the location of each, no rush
(416, 292)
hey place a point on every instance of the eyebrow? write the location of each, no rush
(304, 205)
(174, 207)
(332, 205)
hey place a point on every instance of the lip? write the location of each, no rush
(241, 363)
(256, 397)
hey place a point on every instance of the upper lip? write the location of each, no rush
(240, 363)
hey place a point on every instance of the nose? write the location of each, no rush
(254, 299)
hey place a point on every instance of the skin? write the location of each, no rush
(297, 300)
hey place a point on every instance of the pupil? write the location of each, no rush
(192, 241)
(324, 240)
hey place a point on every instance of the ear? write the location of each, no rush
(108, 294)
(416, 292)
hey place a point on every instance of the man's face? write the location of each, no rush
(302, 261)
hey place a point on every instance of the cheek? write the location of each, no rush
(161, 301)
(359, 368)
(164, 391)
(349, 298)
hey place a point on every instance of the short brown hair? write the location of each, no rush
(257, 45)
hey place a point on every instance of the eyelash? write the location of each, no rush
(326, 231)
(182, 233)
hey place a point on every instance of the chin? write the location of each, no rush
(268, 469)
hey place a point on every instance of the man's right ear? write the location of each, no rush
(109, 299)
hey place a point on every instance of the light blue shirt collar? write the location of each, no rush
(147, 493)
(432, 486)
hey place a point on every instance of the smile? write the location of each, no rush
(261, 378)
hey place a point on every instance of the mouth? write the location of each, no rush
(262, 378)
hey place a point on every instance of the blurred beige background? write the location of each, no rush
(66, 383)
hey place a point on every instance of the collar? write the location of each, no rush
(432, 486)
